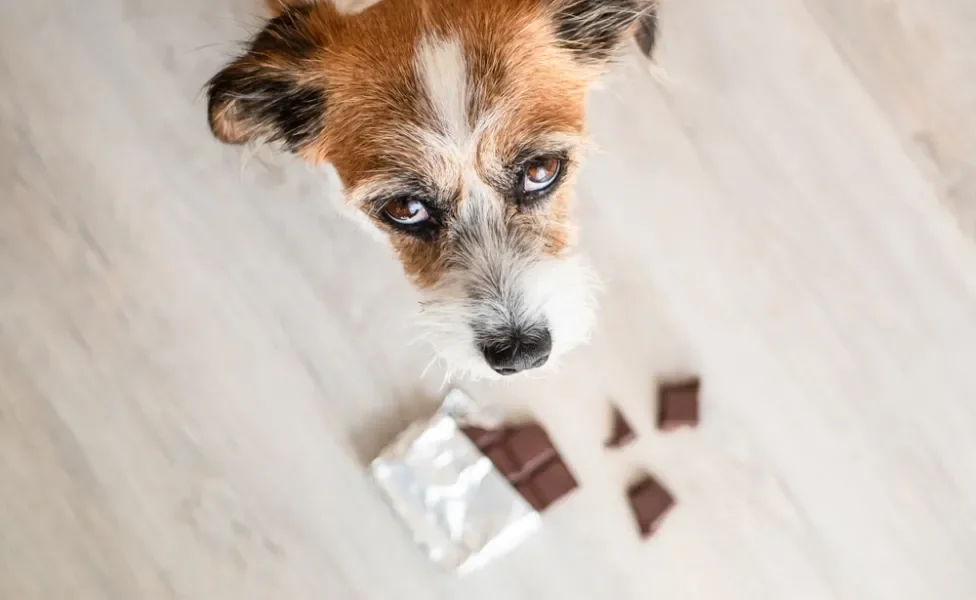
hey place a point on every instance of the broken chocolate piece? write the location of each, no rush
(677, 405)
(524, 454)
(650, 503)
(646, 33)
(622, 434)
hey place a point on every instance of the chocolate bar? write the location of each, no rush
(525, 455)
(677, 404)
(621, 434)
(650, 502)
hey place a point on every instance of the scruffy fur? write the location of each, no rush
(444, 101)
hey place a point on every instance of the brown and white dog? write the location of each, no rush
(456, 127)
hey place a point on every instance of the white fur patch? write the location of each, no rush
(562, 289)
(441, 66)
(351, 7)
(500, 285)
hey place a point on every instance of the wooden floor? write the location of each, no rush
(197, 358)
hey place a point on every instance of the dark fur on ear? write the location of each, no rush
(594, 29)
(266, 94)
(646, 35)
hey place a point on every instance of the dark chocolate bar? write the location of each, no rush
(525, 455)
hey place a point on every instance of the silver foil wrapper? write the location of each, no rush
(458, 507)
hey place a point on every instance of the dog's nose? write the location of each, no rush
(518, 352)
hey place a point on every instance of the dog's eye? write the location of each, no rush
(406, 211)
(540, 173)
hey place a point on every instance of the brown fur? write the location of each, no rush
(517, 66)
(363, 63)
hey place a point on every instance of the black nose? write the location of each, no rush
(518, 351)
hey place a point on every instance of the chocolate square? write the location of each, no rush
(528, 441)
(650, 502)
(677, 405)
(530, 446)
(554, 480)
(544, 487)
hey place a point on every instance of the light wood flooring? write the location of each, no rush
(198, 359)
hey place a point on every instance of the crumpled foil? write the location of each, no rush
(458, 507)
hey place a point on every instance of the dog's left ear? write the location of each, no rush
(272, 93)
(595, 29)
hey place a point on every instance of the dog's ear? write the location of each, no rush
(272, 92)
(595, 29)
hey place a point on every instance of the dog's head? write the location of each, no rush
(456, 127)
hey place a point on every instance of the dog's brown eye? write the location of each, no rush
(406, 211)
(540, 173)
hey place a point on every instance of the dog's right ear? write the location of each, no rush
(595, 29)
(272, 92)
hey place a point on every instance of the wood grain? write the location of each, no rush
(198, 355)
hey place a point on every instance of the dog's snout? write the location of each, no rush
(517, 351)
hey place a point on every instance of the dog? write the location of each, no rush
(456, 128)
